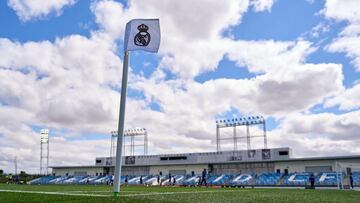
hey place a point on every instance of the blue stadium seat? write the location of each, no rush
(191, 181)
(297, 179)
(356, 178)
(326, 179)
(42, 180)
(219, 180)
(268, 178)
(242, 179)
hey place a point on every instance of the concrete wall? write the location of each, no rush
(165, 169)
(200, 158)
(231, 168)
(71, 171)
(299, 166)
(237, 168)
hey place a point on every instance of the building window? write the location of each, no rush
(178, 158)
(98, 161)
(283, 153)
(173, 158)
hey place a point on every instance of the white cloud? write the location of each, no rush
(323, 134)
(347, 100)
(325, 125)
(348, 45)
(349, 40)
(262, 5)
(69, 65)
(342, 10)
(276, 56)
(30, 9)
(318, 30)
(69, 88)
(191, 40)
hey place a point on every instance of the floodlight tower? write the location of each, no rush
(114, 136)
(243, 121)
(130, 133)
(44, 151)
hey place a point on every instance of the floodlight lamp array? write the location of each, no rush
(44, 135)
(130, 132)
(249, 120)
(135, 131)
(44, 131)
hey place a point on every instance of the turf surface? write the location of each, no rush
(86, 193)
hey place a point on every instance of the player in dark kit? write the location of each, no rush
(174, 181)
(126, 180)
(312, 181)
(169, 178)
(203, 177)
(351, 181)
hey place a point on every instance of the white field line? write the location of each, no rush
(54, 193)
(126, 195)
(103, 191)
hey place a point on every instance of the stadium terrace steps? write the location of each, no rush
(264, 179)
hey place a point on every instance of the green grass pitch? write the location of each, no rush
(90, 193)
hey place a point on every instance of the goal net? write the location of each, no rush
(343, 170)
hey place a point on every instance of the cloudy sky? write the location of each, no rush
(295, 62)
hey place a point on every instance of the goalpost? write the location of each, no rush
(343, 170)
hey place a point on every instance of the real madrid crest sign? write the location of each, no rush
(142, 38)
(142, 34)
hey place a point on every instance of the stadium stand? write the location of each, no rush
(356, 177)
(264, 179)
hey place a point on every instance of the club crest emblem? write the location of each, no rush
(142, 38)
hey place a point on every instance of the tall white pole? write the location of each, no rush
(41, 157)
(15, 163)
(116, 186)
(47, 157)
(217, 138)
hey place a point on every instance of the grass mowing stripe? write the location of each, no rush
(54, 193)
(171, 193)
(70, 193)
(60, 193)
